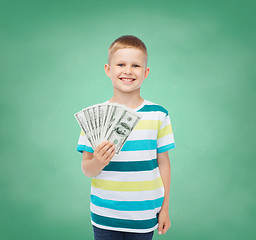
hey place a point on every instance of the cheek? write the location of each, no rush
(116, 71)
(140, 73)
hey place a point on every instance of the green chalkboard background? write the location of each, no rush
(201, 56)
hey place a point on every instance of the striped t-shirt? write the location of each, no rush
(128, 193)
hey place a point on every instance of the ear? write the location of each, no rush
(146, 72)
(107, 69)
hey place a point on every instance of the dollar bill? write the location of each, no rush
(122, 129)
(108, 121)
(116, 113)
(95, 119)
(102, 115)
(83, 124)
(89, 119)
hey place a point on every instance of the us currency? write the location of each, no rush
(107, 117)
(95, 120)
(116, 113)
(107, 121)
(83, 124)
(103, 113)
(119, 132)
(100, 117)
(89, 119)
(100, 112)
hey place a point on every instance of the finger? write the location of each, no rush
(104, 144)
(109, 151)
(111, 155)
(164, 229)
(100, 146)
(105, 148)
(108, 146)
(160, 228)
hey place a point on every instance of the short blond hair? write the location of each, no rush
(127, 41)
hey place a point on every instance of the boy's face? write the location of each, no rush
(127, 69)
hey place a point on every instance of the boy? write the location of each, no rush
(130, 190)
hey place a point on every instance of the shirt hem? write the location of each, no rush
(125, 229)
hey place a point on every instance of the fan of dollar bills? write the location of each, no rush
(107, 121)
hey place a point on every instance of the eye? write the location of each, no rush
(136, 65)
(120, 64)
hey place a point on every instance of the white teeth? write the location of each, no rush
(127, 80)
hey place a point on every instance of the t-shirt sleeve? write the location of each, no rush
(165, 138)
(84, 144)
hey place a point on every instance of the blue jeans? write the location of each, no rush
(104, 234)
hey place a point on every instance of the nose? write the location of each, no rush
(127, 69)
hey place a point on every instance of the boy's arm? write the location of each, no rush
(90, 168)
(93, 163)
(165, 172)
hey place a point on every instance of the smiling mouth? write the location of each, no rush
(127, 79)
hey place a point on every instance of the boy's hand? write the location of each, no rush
(164, 222)
(104, 152)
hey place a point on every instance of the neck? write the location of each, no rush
(131, 100)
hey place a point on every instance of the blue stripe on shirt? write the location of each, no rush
(127, 205)
(131, 166)
(123, 223)
(81, 148)
(153, 108)
(136, 145)
(165, 148)
(139, 145)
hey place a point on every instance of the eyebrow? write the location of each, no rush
(132, 63)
